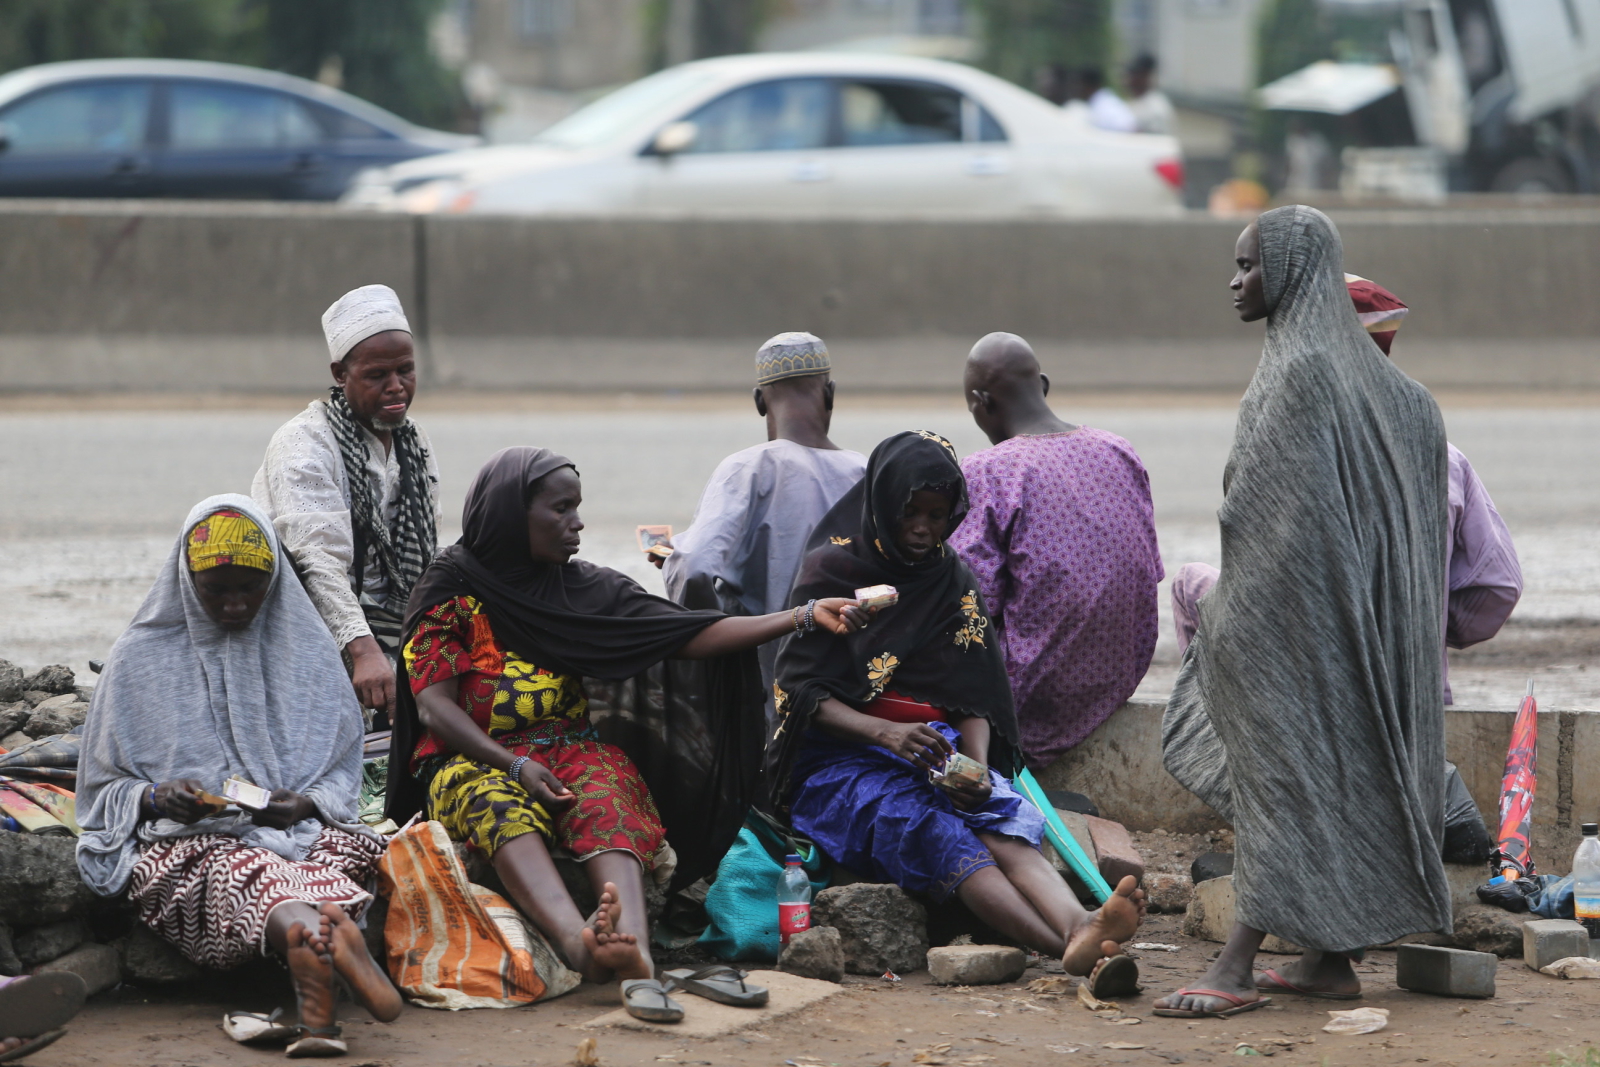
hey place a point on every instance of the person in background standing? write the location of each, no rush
(352, 488)
(761, 504)
(1105, 109)
(1062, 541)
(1485, 575)
(1152, 111)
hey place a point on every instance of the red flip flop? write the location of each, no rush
(1240, 1005)
(1273, 982)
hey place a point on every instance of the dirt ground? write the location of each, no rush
(1533, 1020)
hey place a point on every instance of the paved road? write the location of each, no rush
(92, 498)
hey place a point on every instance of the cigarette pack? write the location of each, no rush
(878, 596)
(655, 540)
(246, 795)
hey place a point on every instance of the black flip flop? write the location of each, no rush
(635, 993)
(39, 1003)
(1115, 976)
(30, 1047)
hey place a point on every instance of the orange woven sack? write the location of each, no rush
(452, 944)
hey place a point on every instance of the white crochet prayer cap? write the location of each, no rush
(359, 314)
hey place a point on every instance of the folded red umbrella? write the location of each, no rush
(1511, 863)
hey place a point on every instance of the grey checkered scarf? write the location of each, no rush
(403, 552)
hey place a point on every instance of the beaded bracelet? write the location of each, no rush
(810, 621)
(514, 772)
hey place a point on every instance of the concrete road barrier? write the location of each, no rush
(166, 295)
(1119, 766)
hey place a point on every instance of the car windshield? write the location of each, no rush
(612, 115)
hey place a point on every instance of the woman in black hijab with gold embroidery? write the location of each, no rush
(867, 716)
(494, 724)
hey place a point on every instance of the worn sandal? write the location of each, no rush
(1270, 981)
(38, 1003)
(1115, 976)
(1239, 1005)
(28, 1048)
(718, 982)
(319, 1041)
(646, 998)
(253, 1028)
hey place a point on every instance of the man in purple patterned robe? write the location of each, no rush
(1061, 535)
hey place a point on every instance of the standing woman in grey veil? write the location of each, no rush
(227, 670)
(1308, 710)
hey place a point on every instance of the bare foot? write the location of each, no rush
(368, 984)
(610, 948)
(313, 980)
(1114, 922)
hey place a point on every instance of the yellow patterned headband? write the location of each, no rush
(228, 537)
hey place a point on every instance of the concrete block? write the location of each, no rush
(815, 953)
(1546, 940)
(1210, 916)
(1445, 972)
(97, 965)
(1117, 855)
(39, 880)
(976, 964)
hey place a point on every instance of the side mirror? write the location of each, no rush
(675, 137)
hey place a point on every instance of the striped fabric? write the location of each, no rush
(210, 894)
(452, 944)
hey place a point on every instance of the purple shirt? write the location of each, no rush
(1061, 536)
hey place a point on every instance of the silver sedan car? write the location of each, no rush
(813, 133)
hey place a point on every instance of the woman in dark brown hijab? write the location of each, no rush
(502, 630)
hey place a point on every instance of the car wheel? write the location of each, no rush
(1531, 174)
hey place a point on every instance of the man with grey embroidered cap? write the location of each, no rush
(761, 504)
(352, 488)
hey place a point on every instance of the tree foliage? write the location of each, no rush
(1024, 39)
(382, 45)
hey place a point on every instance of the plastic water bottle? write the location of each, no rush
(794, 899)
(1586, 880)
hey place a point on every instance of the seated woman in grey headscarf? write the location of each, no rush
(1308, 711)
(227, 671)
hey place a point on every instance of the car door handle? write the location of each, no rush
(128, 165)
(988, 164)
(810, 170)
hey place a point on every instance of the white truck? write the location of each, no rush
(1506, 89)
(1505, 93)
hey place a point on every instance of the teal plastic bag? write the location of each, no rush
(743, 902)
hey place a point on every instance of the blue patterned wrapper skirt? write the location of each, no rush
(879, 815)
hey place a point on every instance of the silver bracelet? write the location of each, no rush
(810, 621)
(514, 772)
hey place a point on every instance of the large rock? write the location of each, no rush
(10, 682)
(58, 715)
(1210, 915)
(41, 944)
(39, 880)
(1481, 928)
(881, 927)
(815, 953)
(14, 716)
(1168, 893)
(35, 697)
(56, 678)
(9, 964)
(97, 965)
(1209, 865)
(976, 964)
(12, 741)
(148, 960)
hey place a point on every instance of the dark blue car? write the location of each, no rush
(168, 127)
